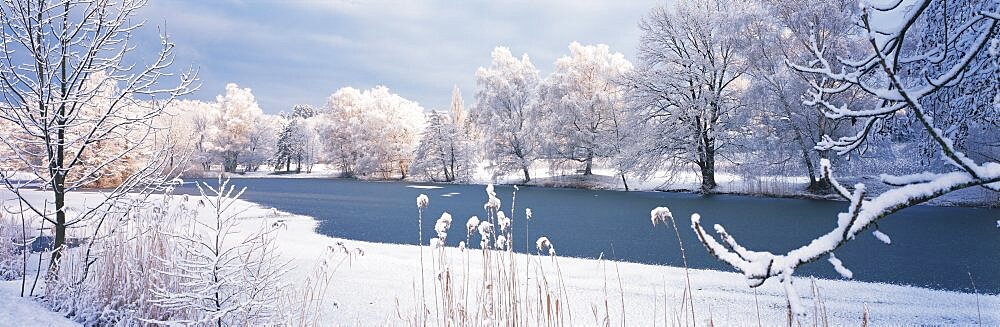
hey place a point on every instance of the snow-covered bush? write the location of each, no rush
(186, 260)
(219, 271)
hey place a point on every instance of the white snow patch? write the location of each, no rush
(23, 311)
(424, 187)
(885, 238)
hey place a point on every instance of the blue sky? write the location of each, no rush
(301, 51)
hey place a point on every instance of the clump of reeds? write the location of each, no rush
(497, 292)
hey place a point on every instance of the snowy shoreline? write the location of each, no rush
(379, 283)
(961, 199)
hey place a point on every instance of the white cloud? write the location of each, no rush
(301, 51)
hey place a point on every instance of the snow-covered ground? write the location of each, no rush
(18, 311)
(378, 287)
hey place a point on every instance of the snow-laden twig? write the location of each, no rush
(839, 267)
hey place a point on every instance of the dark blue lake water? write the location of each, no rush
(935, 247)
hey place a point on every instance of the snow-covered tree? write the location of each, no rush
(505, 113)
(303, 111)
(458, 115)
(584, 103)
(107, 167)
(71, 83)
(687, 83)
(241, 127)
(370, 133)
(444, 153)
(193, 126)
(776, 89)
(966, 110)
(263, 138)
(297, 142)
(899, 79)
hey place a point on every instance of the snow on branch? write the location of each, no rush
(878, 74)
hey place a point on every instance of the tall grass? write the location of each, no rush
(484, 286)
(13, 238)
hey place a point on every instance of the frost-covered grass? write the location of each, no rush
(177, 260)
(507, 288)
(12, 239)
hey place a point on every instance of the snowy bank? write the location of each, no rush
(375, 287)
(681, 181)
(379, 286)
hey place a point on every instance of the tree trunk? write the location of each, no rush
(589, 168)
(708, 171)
(824, 154)
(706, 158)
(625, 183)
(298, 164)
(707, 179)
(816, 185)
(527, 177)
(288, 164)
(59, 192)
(229, 161)
(58, 168)
(452, 162)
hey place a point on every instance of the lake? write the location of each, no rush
(934, 247)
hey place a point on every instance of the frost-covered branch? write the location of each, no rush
(879, 74)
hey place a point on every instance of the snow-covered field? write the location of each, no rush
(379, 287)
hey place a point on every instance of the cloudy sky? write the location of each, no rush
(301, 51)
